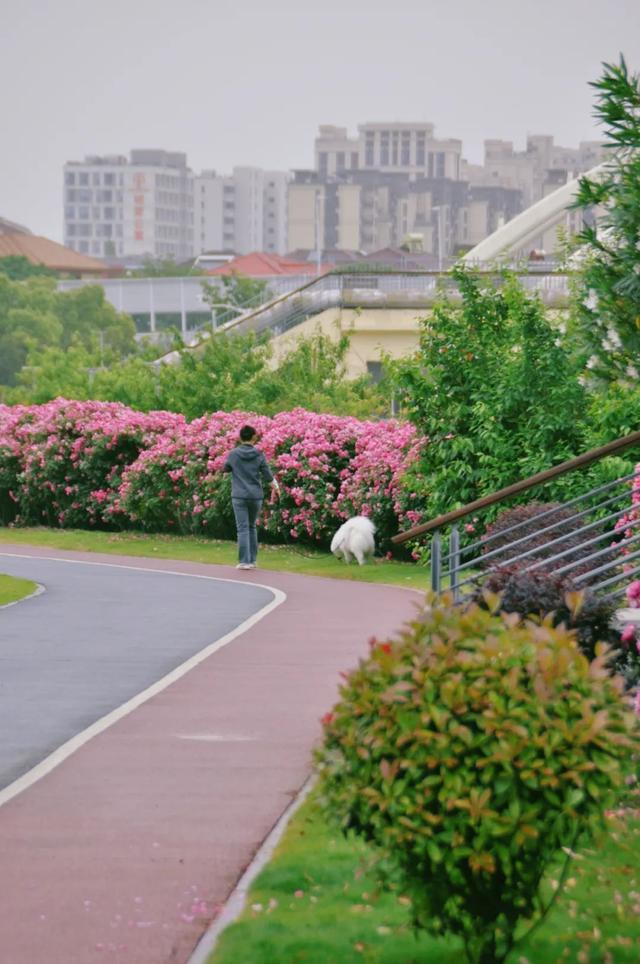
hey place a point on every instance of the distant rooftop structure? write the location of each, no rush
(258, 264)
(10, 227)
(214, 259)
(39, 250)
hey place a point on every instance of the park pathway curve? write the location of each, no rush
(127, 849)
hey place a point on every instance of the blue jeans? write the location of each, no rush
(246, 512)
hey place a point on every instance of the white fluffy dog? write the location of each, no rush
(354, 539)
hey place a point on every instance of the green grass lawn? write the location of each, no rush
(12, 589)
(316, 903)
(303, 560)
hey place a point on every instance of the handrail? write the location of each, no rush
(585, 459)
(274, 301)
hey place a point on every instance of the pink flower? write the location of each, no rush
(633, 594)
(628, 634)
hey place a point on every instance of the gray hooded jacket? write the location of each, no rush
(248, 467)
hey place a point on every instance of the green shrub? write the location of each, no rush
(470, 750)
(540, 593)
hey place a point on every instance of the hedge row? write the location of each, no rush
(103, 465)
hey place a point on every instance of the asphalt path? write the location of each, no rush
(95, 638)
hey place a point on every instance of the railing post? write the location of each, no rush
(436, 559)
(454, 562)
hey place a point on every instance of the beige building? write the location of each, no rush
(410, 149)
(532, 170)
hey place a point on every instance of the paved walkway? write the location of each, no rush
(127, 849)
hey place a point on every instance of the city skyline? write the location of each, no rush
(234, 85)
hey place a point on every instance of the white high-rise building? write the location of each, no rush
(243, 212)
(118, 207)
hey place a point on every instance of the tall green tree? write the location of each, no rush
(606, 319)
(34, 316)
(494, 391)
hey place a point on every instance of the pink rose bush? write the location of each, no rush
(61, 463)
(101, 464)
(328, 466)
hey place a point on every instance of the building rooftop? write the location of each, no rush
(10, 227)
(258, 264)
(39, 250)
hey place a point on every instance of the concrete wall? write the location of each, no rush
(373, 332)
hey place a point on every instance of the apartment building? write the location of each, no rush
(243, 212)
(396, 180)
(532, 170)
(116, 206)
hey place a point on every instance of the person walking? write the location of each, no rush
(248, 467)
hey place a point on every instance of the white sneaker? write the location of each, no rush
(244, 565)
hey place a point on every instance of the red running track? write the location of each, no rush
(127, 850)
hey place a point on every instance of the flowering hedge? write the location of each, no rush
(100, 464)
(61, 463)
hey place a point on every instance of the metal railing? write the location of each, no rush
(592, 540)
(393, 289)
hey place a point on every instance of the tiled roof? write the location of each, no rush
(39, 250)
(258, 264)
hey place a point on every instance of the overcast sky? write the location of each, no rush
(249, 81)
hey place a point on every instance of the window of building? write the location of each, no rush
(83, 179)
(354, 160)
(405, 154)
(95, 179)
(69, 213)
(323, 162)
(368, 151)
(109, 214)
(95, 247)
(420, 154)
(110, 180)
(118, 230)
(71, 230)
(340, 162)
(384, 155)
(71, 194)
(83, 247)
(69, 177)
(374, 370)
(83, 213)
(440, 164)
(85, 197)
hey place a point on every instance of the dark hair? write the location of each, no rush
(247, 432)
